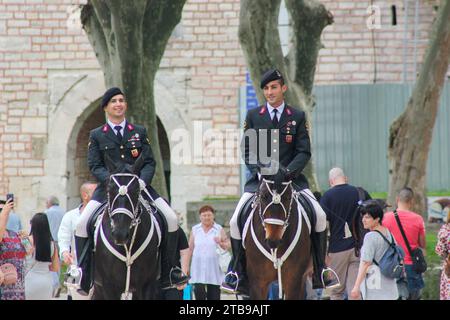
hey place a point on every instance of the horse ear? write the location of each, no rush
(138, 164)
(110, 165)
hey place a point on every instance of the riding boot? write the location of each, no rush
(84, 258)
(236, 280)
(171, 275)
(323, 277)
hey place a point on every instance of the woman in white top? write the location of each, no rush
(205, 237)
(370, 283)
(44, 259)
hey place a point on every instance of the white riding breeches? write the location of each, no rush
(234, 229)
(321, 217)
(163, 207)
(169, 214)
(90, 208)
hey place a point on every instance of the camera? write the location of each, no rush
(10, 196)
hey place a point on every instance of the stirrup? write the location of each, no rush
(174, 285)
(228, 289)
(337, 284)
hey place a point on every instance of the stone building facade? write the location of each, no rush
(50, 83)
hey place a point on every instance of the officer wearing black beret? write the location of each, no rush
(293, 152)
(124, 142)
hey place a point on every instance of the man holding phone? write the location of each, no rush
(14, 222)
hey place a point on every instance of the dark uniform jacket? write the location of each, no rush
(294, 149)
(103, 140)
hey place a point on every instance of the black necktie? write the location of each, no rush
(275, 118)
(119, 135)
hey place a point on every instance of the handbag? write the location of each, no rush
(419, 262)
(10, 273)
(224, 258)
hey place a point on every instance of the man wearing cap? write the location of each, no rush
(292, 151)
(124, 142)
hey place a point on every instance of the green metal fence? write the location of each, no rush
(351, 129)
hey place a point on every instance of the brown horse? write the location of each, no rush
(273, 232)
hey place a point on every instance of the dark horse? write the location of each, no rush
(126, 254)
(275, 225)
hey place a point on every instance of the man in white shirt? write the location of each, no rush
(69, 223)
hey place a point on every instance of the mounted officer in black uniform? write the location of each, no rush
(124, 142)
(292, 151)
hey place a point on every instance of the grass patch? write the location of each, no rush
(439, 193)
(378, 195)
(433, 273)
(444, 193)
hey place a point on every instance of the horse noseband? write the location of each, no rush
(276, 200)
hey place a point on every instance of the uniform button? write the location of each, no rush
(274, 150)
(122, 156)
(275, 131)
(275, 141)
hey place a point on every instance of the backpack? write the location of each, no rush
(391, 263)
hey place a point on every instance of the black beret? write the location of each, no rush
(111, 92)
(271, 75)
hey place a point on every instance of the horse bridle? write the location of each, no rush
(123, 191)
(276, 200)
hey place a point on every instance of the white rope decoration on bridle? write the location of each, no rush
(135, 220)
(123, 191)
(276, 200)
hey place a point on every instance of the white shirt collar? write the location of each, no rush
(122, 124)
(280, 110)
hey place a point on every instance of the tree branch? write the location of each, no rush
(96, 36)
(259, 38)
(160, 19)
(308, 18)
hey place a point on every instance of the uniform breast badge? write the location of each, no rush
(288, 138)
(135, 153)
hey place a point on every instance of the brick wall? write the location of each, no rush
(39, 36)
(352, 53)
